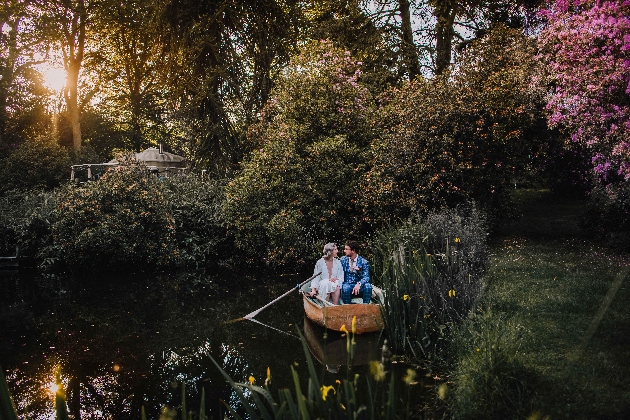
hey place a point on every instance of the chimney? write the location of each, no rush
(161, 150)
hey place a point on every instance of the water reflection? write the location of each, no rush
(122, 343)
(330, 348)
(126, 342)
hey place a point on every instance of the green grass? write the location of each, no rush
(545, 287)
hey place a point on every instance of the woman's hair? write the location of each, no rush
(328, 249)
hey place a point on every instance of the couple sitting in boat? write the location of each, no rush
(347, 276)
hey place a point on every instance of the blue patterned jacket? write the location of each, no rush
(362, 274)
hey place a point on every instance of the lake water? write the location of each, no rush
(122, 342)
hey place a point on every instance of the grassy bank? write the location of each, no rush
(551, 337)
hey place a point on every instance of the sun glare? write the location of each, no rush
(54, 78)
(53, 387)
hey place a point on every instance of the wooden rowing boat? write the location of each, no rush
(333, 317)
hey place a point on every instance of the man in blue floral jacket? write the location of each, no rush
(356, 271)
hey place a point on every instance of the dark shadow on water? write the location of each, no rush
(126, 341)
(130, 341)
(330, 348)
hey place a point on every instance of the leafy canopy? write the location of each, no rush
(297, 190)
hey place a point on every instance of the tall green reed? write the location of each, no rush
(7, 409)
(430, 272)
(370, 396)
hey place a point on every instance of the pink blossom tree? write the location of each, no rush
(587, 47)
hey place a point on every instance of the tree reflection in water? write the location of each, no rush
(125, 342)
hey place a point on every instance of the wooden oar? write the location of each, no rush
(257, 311)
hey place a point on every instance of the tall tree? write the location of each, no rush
(131, 59)
(349, 28)
(19, 41)
(407, 46)
(435, 27)
(222, 56)
(67, 24)
(445, 12)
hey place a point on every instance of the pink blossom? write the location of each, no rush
(590, 64)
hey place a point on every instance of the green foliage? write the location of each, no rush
(286, 201)
(121, 221)
(298, 189)
(607, 215)
(461, 233)
(25, 218)
(128, 218)
(457, 137)
(350, 28)
(36, 163)
(196, 206)
(319, 95)
(491, 380)
(431, 273)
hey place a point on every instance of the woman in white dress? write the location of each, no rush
(328, 283)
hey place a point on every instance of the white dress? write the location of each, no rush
(322, 282)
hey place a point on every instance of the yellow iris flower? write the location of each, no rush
(377, 370)
(326, 389)
(410, 377)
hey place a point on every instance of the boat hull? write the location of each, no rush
(334, 317)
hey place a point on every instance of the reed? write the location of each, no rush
(371, 396)
(430, 271)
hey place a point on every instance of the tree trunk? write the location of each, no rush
(74, 403)
(73, 57)
(408, 47)
(8, 74)
(72, 102)
(445, 12)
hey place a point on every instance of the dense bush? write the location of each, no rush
(608, 215)
(459, 137)
(300, 187)
(196, 206)
(37, 163)
(586, 46)
(431, 271)
(124, 220)
(25, 218)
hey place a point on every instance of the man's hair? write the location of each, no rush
(353, 245)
